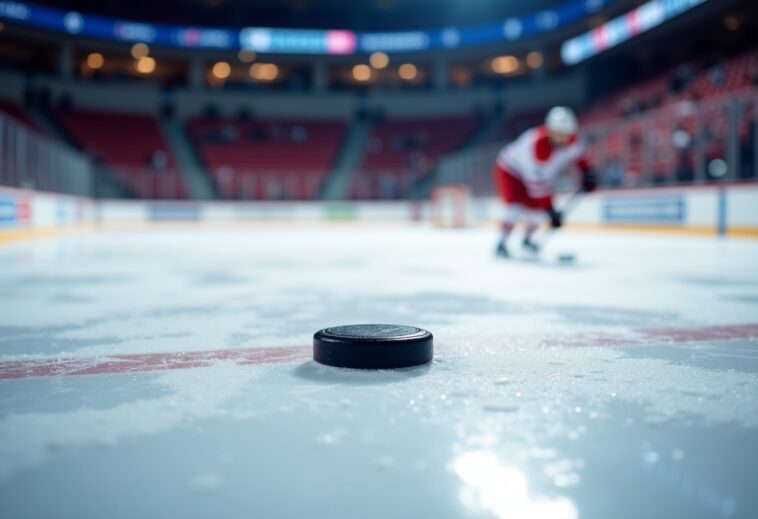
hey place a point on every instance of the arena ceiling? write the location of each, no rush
(358, 15)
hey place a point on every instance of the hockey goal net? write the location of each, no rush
(451, 206)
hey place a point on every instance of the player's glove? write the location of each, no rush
(589, 182)
(556, 218)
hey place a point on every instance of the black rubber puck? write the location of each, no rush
(372, 346)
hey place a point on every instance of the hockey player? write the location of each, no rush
(526, 169)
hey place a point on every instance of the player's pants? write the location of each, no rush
(518, 202)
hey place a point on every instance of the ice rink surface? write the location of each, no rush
(166, 373)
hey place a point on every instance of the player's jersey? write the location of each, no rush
(533, 159)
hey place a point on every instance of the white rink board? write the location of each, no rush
(734, 206)
(742, 207)
(27, 209)
(119, 211)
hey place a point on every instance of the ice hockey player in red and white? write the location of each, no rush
(526, 169)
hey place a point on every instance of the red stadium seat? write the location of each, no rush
(268, 159)
(125, 144)
(399, 152)
(18, 114)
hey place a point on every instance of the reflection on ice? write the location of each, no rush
(504, 490)
(313, 371)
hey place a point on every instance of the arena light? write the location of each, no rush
(361, 73)
(145, 65)
(408, 71)
(535, 59)
(140, 50)
(246, 56)
(461, 76)
(504, 64)
(221, 70)
(264, 71)
(732, 23)
(718, 168)
(95, 61)
(379, 60)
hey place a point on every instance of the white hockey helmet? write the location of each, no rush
(561, 119)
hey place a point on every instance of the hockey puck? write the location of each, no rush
(372, 346)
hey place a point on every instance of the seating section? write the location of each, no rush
(516, 124)
(705, 82)
(661, 142)
(650, 128)
(17, 113)
(644, 95)
(400, 152)
(129, 145)
(657, 135)
(711, 82)
(268, 159)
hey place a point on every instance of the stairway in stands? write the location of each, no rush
(198, 182)
(337, 185)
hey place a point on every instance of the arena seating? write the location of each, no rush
(127, 145)
(649, 116)
(272, 158)
(17, 113)
(399, 152)
(631, 130)
(517, 123)
(708, 81)
(648, 94)
(665, 137)
(735, 77)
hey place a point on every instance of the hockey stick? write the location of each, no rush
(568, 206)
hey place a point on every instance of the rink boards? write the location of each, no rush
(727, 209)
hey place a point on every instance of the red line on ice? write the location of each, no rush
(656, 336)
(141, 362)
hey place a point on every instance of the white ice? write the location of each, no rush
(527, 411)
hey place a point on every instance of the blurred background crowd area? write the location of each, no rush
(675, 105)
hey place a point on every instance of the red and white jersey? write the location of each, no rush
(536, 162)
